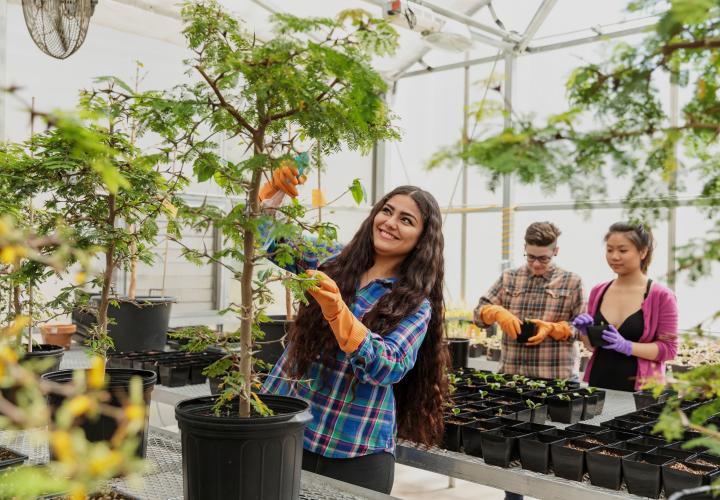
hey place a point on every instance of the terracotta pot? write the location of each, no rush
(58, 333)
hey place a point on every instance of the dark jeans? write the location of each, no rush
(512, 496)
(374, 472)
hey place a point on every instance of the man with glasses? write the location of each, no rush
(545, 294)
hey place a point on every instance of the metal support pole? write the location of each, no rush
(3, 67)
(672, 216)
(507, 209)
(463, 217)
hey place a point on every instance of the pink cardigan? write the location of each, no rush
(661, 321)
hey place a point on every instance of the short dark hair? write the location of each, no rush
(541, 234)
(640, 235)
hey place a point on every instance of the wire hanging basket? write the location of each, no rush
(58, 27)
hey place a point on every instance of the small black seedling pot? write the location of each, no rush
(623, 425)
(451, 439)
(493, 354)
(678, 476)
(10, 457)
(614, 436)
(595, 333)
(568, 412)
(674, 453)
(471, 436)
(705, 459)
(586, 428)
(645, 398)
(175, 375)
(503, 421)
(532, 428)
(568, 458)
(642, 473)
(527, 330)
(539, 414)
(649, 441)
(636, 447)
(500, 446)
(564, 433)
(522, 412)
(535, 451)
(605, 466)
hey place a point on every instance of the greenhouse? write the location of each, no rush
(371, 249)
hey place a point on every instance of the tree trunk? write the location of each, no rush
(248, 312)
(107, 275)
(132, 289)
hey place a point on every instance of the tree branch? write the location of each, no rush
(226, 105)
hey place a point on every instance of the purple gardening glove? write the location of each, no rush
(581, 322)
(616, 341)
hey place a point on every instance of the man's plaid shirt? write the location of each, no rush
(555, 296)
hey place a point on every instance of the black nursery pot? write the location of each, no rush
(493, 354)
(527, 330)
(568, 458)
(459, 352)
(235, 458)
(10, 457)
(471, 436)
(644, 399)
(451, 438)
(586, 428)
(539, 414)
(567, 412)
(118, 385)
(642, 473)
(693, 476)
(535, 451)
(500, 446)
(595, 335)
(605, 466)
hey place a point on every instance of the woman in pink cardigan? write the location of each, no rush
(641, 315)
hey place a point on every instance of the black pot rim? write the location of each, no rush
(119, 377)
(51, 351)
(186, 412)
(147, 299)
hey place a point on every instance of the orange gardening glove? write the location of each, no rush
(509, 323)
(284, 178)
(559, 331)
(348, 330)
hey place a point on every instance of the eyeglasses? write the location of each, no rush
(542, 259)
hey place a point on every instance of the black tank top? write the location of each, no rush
(612, 369)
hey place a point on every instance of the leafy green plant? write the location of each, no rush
(276, 99)
(101, 191)
(564, 397)
(531, 404)
(591, 390)
(561, 384)
(494, 385)
(483, 394)
(456, 411)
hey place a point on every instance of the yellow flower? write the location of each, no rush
(96, 376)
(8, 355)
(135, 412)
(61, 443)
(78, 492)
(79, 405)
(80, 278)
(8, 254)
(108, 462)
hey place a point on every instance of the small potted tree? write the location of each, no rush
(277, 98)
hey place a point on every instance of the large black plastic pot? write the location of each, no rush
(118, 384)
(139, 325)
(605, 466)
(642, 473)
(44, 353)
(459, 352)
(232, 458)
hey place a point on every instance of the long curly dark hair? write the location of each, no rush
(420, 394)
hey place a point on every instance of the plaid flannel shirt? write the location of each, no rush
(555, 296)
(352, 403)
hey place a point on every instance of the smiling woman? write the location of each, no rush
(368, 352)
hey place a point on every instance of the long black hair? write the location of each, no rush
(420, 394)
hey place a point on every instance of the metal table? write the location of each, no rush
(165, 480)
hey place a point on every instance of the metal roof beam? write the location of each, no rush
(536, 50)
(535, 23)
